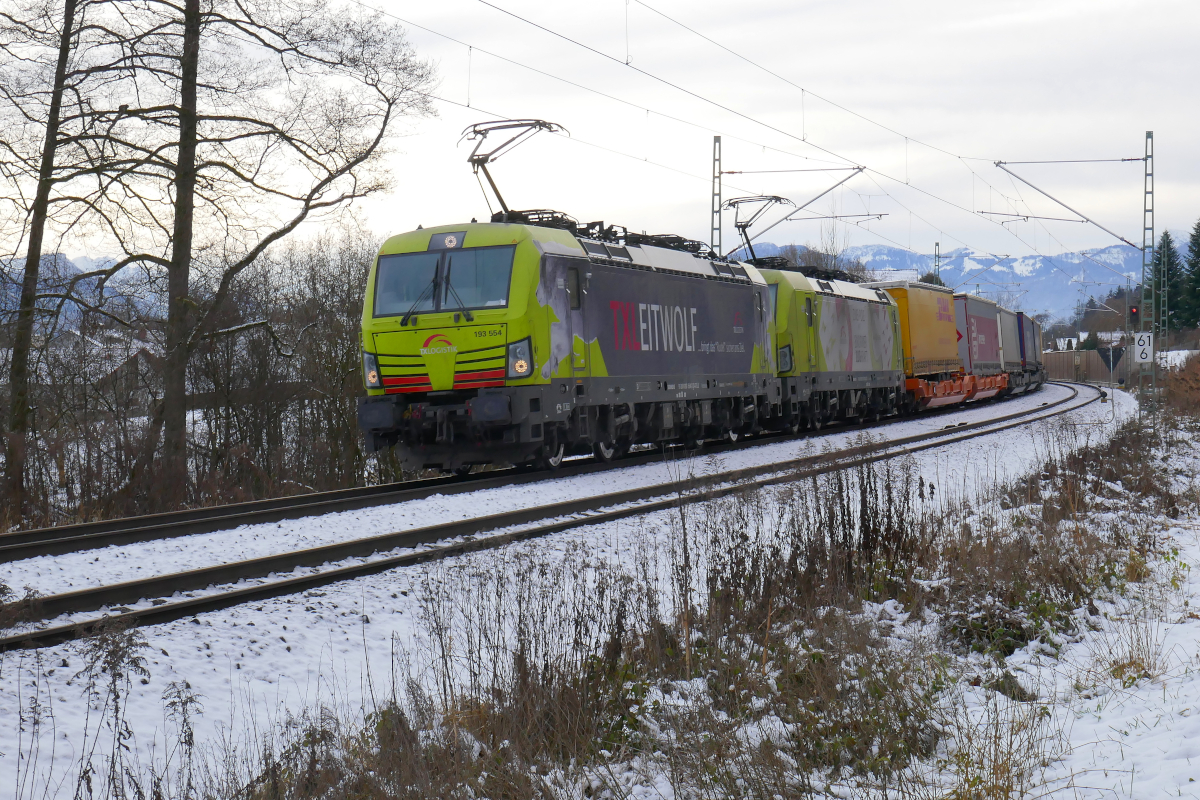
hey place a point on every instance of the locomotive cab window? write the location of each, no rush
(573, 287)
(477, 277)
(405, 282)
(450, 280)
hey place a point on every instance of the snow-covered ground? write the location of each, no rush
(1174, 359)
(255, 664)
(1128, 690)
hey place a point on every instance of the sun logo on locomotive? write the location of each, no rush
(650, 326)
(437, 344)
(943, 311)
(450, 241)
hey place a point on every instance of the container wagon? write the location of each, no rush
(1010, 351)
(1031, 351)
(932, 367)
(978, 331)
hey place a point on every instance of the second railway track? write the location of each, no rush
(555, 518)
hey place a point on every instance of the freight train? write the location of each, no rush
(533, 337)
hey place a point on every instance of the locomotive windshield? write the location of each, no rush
(405, 282)
(448, 280)
(478, 278)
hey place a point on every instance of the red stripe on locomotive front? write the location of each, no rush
(478, 376)
(406, 380)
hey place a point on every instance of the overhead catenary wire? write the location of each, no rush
(772, 171)
(1079, 161)
(662, 80)
(803, 139)
(767, 125)
(1001, 164)
(906, 138)
(1061, 245)
(584, 142)
(723, 107)
(476, 48)
(1028, 217)
(835, 216)
(804, 91)
(803, 206)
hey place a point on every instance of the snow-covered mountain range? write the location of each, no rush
(58, 272)
(1036, 284)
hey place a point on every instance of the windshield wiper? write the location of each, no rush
(430, 290)
(461, 305)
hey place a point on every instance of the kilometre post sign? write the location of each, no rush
(1143, 348)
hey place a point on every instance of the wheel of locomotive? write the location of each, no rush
(604, 451)
(693, 443)
(554, 457)
(732, 436)
(793, 428)
(465, 469)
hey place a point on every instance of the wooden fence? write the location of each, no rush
(1089, 366)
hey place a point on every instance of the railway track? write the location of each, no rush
(20, 545)
(552, 518)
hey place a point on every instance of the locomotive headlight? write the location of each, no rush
(520, 359)
(785, 358)
(371, 371)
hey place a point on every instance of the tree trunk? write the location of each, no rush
(175, 487)
(18, 418)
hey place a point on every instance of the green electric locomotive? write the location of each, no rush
(526, 341)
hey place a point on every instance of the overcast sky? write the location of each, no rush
(1013, 81)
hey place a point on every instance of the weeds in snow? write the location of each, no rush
(844, 632)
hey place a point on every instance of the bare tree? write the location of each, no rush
(200, 136)
(19, 375)
(59, 67)
(829, 253)
(281, 111)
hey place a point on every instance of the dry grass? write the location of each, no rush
(999, 748)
